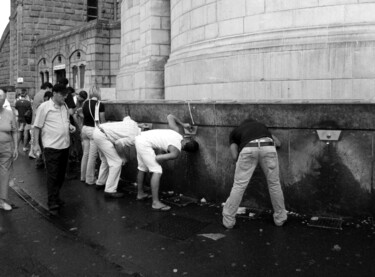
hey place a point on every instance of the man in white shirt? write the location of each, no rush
(38, 100)
(170, 142)
(110, 138)
(52, 121)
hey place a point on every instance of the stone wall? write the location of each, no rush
(335, 178)
(145, 48)
(266, 49)
(35, 20)
(99, 45)
(5, 57)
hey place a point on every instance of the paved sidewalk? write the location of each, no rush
(32, 246)
(129, 234)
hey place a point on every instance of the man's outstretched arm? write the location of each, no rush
(173, 123)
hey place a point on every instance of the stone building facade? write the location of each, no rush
(195, 49)
(299, 66)
(247, 50)
(4, 58)
(49, 40)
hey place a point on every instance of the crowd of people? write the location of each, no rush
(65, 127)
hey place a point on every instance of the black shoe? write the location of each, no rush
(99, 187)
(113, 194)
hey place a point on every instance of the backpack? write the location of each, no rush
(28, 115)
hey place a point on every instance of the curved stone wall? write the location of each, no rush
(267, 49)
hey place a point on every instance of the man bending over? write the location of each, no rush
(169, 142)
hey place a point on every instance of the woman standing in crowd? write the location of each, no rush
(78, 115)
(8, 149)
(90, 150)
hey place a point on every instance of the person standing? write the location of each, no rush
(38, 100)
(39, 96)
(22, 105)
(168, 141)
(52, 122)
(8, 149)
(78, 115)
(252, 143)
(90, 150)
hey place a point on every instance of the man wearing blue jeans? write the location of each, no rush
(252, 143)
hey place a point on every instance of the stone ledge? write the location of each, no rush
(293, 38)
(92, 25)
(319, 115)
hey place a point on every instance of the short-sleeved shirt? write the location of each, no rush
(53, 120)
(22, 105)
(88, 110)
(248, 131)
(127, 128)
(7, 125)
(160, 139)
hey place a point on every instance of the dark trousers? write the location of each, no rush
(56, 163)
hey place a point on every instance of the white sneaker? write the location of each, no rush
(5, 206)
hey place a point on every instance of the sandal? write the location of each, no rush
(162, 208)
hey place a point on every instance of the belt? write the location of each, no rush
(259, 144)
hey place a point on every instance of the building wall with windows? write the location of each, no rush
(85, 55)
(49, 40)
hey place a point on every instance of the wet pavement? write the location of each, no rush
(94, 236)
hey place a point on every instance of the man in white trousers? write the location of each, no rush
(108, 137)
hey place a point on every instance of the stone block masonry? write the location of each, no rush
(332, 179)
(271, 49)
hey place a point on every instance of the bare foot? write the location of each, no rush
(143, 196)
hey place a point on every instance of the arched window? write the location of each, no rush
(41, 78)
(75, 77)
(92, 10)
(82, 69)
(46, 75)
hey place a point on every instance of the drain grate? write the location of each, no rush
(176, 227)
(325, 222)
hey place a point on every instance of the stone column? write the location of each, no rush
(145, 48)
